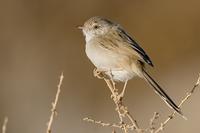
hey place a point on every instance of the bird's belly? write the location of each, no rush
(121, 75)
(112, 63)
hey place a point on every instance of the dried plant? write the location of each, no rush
(54, 104)
(123, 111)
(4, 126)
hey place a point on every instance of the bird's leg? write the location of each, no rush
(108, 77)
(121, 95)
(114, 90)
(111, 78)
(113, 83)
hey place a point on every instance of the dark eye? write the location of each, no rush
(96, 27)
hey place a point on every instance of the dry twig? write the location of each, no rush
(123, 112)
(152, 122)
(121, 109)
(102, 123)
(53, 110)
(171, 116)
(4, 126)
(107, 124)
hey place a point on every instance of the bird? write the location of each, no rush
(113, 51)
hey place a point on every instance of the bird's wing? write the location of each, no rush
(134, 45)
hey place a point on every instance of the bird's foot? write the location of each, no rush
(98, 73)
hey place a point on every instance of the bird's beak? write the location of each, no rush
(80, 27)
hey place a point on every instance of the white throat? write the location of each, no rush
(88, 37)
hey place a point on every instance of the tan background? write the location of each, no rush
(39, 40)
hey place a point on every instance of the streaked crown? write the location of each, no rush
(96, 26)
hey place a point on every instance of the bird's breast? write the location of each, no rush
(114, 63)
(101, 57)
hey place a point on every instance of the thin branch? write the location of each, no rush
(106, 124)
(102, 123)
(54, 104)
(4, 126)
(123, 112)
(121, 109)
(171, 116)
(152, 122)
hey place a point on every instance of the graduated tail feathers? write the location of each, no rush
(162, 93)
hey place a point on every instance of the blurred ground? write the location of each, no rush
(39, 40)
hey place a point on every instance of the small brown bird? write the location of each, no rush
(114, 52)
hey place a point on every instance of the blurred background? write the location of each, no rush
(39, 40)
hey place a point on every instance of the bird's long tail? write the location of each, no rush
(161, 93)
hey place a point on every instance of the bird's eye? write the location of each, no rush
(96, 27)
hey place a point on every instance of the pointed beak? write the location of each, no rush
(80, 27)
